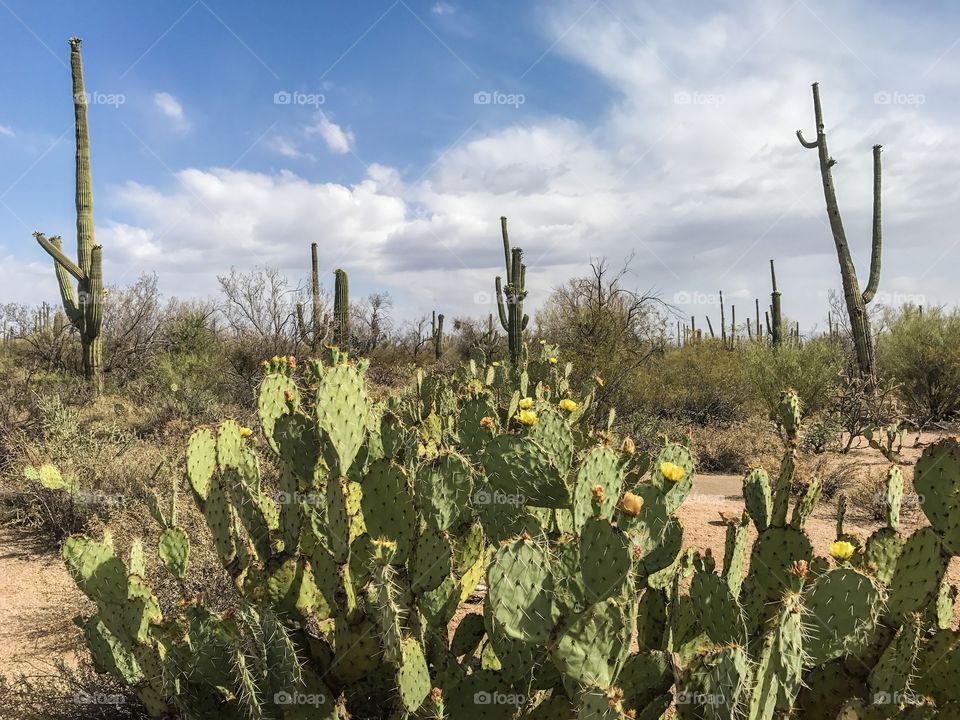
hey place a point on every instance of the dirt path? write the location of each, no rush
(38, 601)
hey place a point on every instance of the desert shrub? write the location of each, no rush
(860, 404)
(812, 369)
(700, 383)
(737, 447)
(821, 433)
(920, 351)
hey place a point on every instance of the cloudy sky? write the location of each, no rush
(395, 133)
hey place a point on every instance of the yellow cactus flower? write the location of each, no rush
(526, 403)
(553, 361)
(568, 405)
(671, 471)
(245, 432)
(527, 417)
(631, 504)
(841, 550)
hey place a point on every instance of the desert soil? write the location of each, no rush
(38, 600)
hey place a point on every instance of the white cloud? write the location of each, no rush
(170, 107)
(693, 166)
(288, 148)
(7, 131)
(337, 139)
(442, 8)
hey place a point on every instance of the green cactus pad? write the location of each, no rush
(520, 467)
(230, 445)
(771, 560)
(717, 609)
(108, 652)
(600, 467)
(648, 526)
(502, 515)
(341, 406)
(758, 498)
(438, 606)
(297, 445)
(675, 491)
(413, 676)
(272, 402)
(473, 435)
(520, 591)
(443, 490)
(937, 480)
(591, 646)
(645, 675)
(174, 550)
(893, 674)
(482, 695)
(99, 573)
(201, 460)
(430, 561)
(466, 638)
(918, 575)
(938, 669)
(827, 688)
(716, 685)
(388, 507)
(842, 608)
(735, 554)
(552, 433)
(894, 496)
(881, 553)
(605, 559)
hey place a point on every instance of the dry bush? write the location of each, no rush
(737, 447)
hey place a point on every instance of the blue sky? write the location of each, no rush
(661, 129)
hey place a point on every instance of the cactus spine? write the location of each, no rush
(84, 307)
(855, 300)
(437, 334)
(510, 298)
(341, 309)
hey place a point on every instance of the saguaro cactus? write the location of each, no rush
(437, 334)
(83, 306)
(775, 318)
(313, 335)
(341, 308)
(855, 300)
(510, 299)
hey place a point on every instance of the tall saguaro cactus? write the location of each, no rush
(775, 318)
(83, 306)
(510, 298)
(341, 309)
(855, 300)
(313, 335)
(437, 334)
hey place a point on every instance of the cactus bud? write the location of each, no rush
(598, 494)
(628, 447)
(631, 504)
(486, 422)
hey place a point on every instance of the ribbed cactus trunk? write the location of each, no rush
(437, 325)
(84, 307)
(775, 319)
(855, 300)
(341, 309)
(313, 334)
(510, 298)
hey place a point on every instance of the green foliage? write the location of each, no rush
(920, 351)
(812, 369)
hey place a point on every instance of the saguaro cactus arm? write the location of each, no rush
(876, 245)
(510, 298)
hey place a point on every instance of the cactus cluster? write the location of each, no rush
(489, 484)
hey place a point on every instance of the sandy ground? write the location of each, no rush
(38, 600)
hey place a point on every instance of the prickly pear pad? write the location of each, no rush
(201, 460)
(920, 570)
(601, 467)
(841, 610)
(520, 590)
(341, 405)
(272, 402)
(937, 480)
(590, 647)
(717, 609)
(675, 490)
(443, 490)
(519, 467)
(388, 507)
(605, 559)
